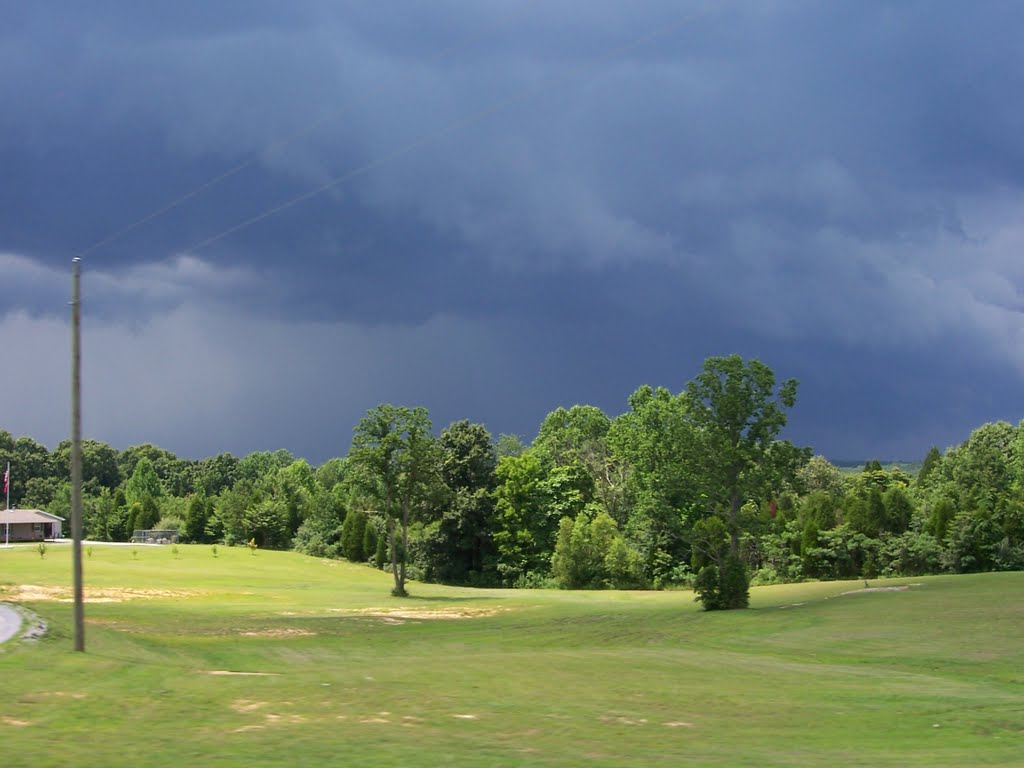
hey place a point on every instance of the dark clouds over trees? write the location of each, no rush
(837, 189)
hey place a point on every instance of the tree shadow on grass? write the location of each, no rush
(448, 599)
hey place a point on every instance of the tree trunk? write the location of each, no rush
(734, 525)
(394, 552)
(405, 547)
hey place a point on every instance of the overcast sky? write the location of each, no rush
(528, 204)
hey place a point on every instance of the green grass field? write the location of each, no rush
(930, 676)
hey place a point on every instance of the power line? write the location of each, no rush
(326, 117)
(431, 138)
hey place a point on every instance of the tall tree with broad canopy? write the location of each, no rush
(143, 483)
(524, 526)
(397, 460)
(458, 545)
(739, 412)
(656, 444)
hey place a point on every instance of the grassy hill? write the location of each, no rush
(336, 672)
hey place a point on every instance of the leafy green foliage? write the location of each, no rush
(353, 537)
(739, 413)
(524, 526)
(196, 518)
(457, 546)
(590, 553)
(396, 461)
(593, 502)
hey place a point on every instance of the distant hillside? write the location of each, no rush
(852, 467)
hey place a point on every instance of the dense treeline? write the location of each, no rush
(693, 487)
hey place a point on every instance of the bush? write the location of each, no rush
(315, 543)
(974, 538)
(169, 523)
(735, 585)
(353, 537)
(764, 576)
(591, 554)
(371, 537)
(723, 590)
(534, 580)
(381, 553)
(912, 553)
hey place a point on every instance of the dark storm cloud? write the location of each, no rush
(556, 206)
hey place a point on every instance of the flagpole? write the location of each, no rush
(7, 487)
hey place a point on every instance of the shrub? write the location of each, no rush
(591, 554)
(534, 580)
(735, 584)
(170, 523)
(353, 537)
(723, 590)
(370, 539)
(312, 539)
(764, 576)
(912, 553)
(973, 541)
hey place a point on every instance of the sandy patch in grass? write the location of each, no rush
(243, 706)
(14, 722)
(624, 720)
(273, 719)
(898, 588)
(270, 719)
(280, 632)
(34, 593)
(678, 724)
(246, 728)
(232, 673)
(397, 615)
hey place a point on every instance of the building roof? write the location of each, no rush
(27, 516)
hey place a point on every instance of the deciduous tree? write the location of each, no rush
(398, 461)
(739, 413)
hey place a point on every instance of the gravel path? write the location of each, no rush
(10, 622)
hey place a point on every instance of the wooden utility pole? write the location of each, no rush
(76, 450)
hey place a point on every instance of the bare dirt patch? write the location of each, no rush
(400, 615)
(14, 722)
(897, 588)
(624, 720)
(233, 673)
(35, 593)
(279, 632)
(243, 706)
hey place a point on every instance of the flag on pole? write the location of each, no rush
(7, 476)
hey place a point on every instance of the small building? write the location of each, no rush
(29, 525)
